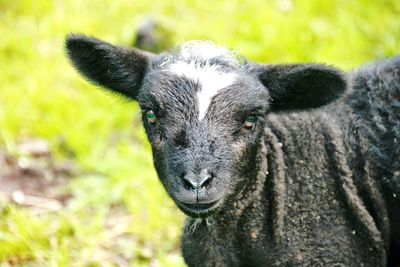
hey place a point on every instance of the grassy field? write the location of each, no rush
(118, 213)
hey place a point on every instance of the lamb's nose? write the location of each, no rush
(197, 181)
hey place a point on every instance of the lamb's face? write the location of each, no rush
(204, 120)
(203, 110)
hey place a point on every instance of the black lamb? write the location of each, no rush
(275, 165)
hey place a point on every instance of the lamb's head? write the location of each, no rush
(204, 110)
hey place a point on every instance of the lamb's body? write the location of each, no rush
(325, 189)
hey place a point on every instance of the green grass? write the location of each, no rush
(42, 96)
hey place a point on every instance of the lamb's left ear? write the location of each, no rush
(302, 86)
(117, 68)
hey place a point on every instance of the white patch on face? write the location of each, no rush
(210, 79)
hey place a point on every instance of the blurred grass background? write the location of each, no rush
(119, 214)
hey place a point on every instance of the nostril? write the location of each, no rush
(190, 181)
(187, 184)
(185, 180)
(206, 178)
(206, 181)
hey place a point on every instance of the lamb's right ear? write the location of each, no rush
(116, 68)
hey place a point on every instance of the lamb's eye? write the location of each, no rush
(151, 117)
(250, 122)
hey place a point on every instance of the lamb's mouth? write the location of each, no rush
(199, 209)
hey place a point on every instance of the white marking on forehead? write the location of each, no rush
(210, 79)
